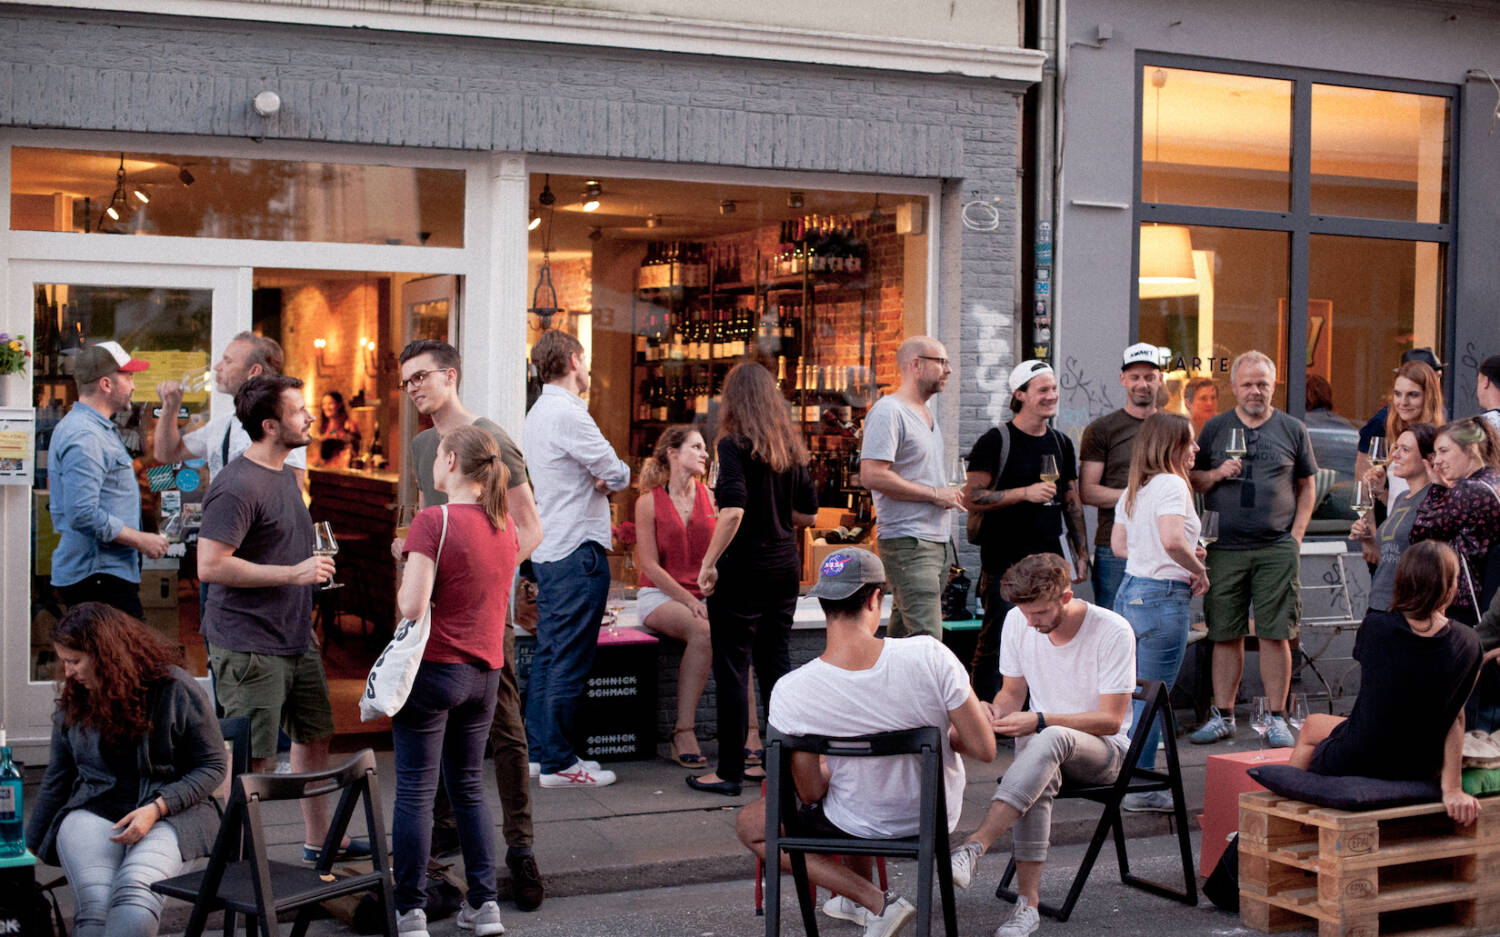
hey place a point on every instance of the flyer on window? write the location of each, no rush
(17, 445)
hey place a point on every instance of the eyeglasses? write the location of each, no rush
(941, 362)
(420, 377)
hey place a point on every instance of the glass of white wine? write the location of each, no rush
(1208, 530)
(958, 471)
(1296, 710)
(1260, 720)
(1379, 455)
(197, 380)
(1050, 475)
(325, 544)
(1236, 447)
(1364, 498)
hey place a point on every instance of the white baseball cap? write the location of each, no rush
(1142, 353)
(1022, 373)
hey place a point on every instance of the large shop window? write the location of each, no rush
(669, 284)
(1247, 239)
(92, 192)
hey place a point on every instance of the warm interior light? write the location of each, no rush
(319, 343)
(591, 192)
(144, 199)
(112, 213)
(1166, 254)
(534, 223)
(591, 205)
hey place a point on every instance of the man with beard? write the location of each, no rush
(255, 550)
(1022, 512)
(1104, 460)
(901, 463)
(1264, 502)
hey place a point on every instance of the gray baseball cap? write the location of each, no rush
(844, 571)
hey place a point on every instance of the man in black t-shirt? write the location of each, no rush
(1021, 513)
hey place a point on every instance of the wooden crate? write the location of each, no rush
(1406, 870)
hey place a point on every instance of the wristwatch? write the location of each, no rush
(1041, 721)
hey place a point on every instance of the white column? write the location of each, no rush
(492, 336)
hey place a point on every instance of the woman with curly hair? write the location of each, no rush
(750, 571)
(1416, 397)
(127, 798)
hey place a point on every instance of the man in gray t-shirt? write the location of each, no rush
(901, 462)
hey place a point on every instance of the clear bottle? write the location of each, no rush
(12, 812)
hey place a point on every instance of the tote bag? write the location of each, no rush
(395, 669)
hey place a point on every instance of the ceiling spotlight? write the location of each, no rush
(546, 198)
(141, 196)
(726, 207)
(653, 221)
(185, 176)
(112, 212)
(794, 200)
(591, 193)
(536, 222)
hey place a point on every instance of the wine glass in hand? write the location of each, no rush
(958, 471)
(1208, 530)
(1364, 498)
(1050, 475)
(1260, 719)
(1379, 456)
(325, 544)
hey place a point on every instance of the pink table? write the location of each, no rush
(1226, 780)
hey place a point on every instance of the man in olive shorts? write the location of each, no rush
(1264, 500)
(255, 551)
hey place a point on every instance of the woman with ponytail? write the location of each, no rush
(460, 559)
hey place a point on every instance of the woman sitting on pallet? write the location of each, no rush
(1416, 672)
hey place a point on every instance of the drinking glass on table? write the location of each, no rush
(1296, 710)
(325, 544)
(1050, 475)
(1208, 530)
(1260, 720)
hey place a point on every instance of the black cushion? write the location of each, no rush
(1344, 793)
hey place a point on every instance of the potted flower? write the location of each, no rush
(13, 353)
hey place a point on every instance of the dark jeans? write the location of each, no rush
(446, 720)
(748, 619)
(508, 748)
(985, 667)
(571, 595)
(111, 590)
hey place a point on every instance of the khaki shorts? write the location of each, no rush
(274, 692)
(1265, 579)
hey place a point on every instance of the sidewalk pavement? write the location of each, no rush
(649, 830)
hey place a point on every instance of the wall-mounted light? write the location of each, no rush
(368, 356)
(267, 103)
(320, 363)
(591, 192)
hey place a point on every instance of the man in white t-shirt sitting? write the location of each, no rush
(847, 691)
(1078, 663)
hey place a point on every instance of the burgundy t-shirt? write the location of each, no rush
(471, 592)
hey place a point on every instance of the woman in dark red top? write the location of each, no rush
(466, 577)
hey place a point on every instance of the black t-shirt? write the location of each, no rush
(1010, 533)
(1411, 689)
(258, 512)
(766, 539)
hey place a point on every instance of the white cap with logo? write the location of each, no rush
(1142, 353)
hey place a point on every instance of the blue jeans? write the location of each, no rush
(1160, 613)
(112, 882)
(1109, 572)
(446, 719)
(571, 595)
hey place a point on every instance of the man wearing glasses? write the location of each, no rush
(901, 462)
(430, 372)
(1264, 497)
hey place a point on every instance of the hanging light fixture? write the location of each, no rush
(1166, 250)
(117, 207)
(544, 298)
(591, 192)
(534, 223)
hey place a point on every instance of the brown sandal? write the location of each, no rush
(687, 759)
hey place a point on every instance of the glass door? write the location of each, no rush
(174, 318)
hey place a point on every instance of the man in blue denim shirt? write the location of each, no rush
(95, 499)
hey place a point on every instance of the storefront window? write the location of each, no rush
(89, 192)
(1209, 138)
(1379, 154)
(668, 285)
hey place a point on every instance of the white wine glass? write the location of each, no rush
(1208, 530)
(1364, 498)
(1379, 455)
(1050, 475)
(958, 471)
(1296, 710)
(712, 481)
(612, 621)
(1260, 720)
(1235, 449)
(197, 380)
(325, 544)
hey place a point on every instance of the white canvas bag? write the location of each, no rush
(394, 671)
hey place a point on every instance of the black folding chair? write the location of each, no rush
(260, 888)
(1131, 780)
(929, 847)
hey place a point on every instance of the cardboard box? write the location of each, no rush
(813, 553)
(159, 588)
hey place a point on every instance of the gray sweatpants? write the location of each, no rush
(1037, 773)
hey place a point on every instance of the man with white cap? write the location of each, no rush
(95, 499)
(1104, 460)
(847, 691)
(1022, 511)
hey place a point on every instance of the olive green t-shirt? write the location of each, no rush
(424, 450)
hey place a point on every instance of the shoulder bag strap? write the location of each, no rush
(224, 449)
(442, 538)
(1004, 456)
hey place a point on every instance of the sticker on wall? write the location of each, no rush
(187, 480)
(159, 477)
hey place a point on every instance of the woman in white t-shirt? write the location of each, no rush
(1156, 532)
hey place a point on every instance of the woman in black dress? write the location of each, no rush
(751, 570)
(1416, 672)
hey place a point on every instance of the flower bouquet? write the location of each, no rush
(13, 353)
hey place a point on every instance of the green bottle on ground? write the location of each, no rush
(12, 837)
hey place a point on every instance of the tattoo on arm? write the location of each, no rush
(1073, 520)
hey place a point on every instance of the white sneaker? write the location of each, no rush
(964, 859)
(1024, 922)
(412, 923)
(847, 909)
(580, 775)
(536, 766)
(484, 921)
(897, 914)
